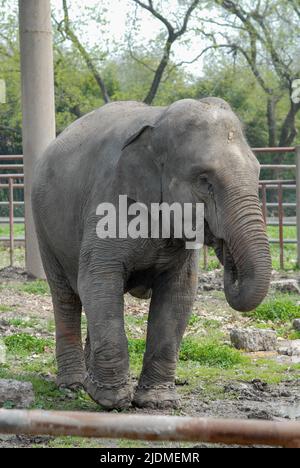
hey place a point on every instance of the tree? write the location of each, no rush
(10, 112)
(66, 28)
(265, 35)
(172, 34)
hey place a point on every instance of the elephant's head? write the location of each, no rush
(196, 152)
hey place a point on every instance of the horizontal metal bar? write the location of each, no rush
(285, 205)
(149, 427)
(278, 181)
(285, 223)
(286, 241)
(16, 220)
(12, 167)
(16, 203)
(7, 239)
(288, 187)
(276, 166)
(11, 176)
(10, 157)
(274, 150)
(16, 186)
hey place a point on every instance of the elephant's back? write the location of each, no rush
(97, 138)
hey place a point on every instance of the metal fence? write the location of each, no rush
(281, 186)
(14, 179)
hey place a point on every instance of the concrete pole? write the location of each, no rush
(37, 104)
(298, 202)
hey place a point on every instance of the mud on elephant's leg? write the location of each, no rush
(170, 309)
(69, 351)
(107, 378)
(67, 312)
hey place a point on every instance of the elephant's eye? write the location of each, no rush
(210, 189)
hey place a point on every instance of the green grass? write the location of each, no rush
(19, 230)
(280, 309)
(38, 287)
(23, 344)
(20, 323)
(210, 353)
(4, 308)
(206, 352)
(19, 257)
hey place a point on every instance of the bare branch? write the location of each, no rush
(157, 15)
(173, 35)
(296, 6)
(187, 17)
(66, 25)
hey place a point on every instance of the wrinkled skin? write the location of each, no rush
(192, 151)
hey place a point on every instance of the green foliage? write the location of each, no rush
(207, 352)
(19, 229)
(281, 309)
(4, 308)
(194, 319)
(20, 323)
(38, 287)
(23, 344)
(210, 353)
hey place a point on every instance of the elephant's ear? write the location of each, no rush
(139, 169)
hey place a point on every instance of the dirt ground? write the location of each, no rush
(241, 393)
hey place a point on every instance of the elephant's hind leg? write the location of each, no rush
(67, 312)
(69, 351)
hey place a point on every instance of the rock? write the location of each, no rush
(290, 348)
(296, 324)
(2, 352)
(211, 281)
(253, 340)
(15, 393)
(286, 286)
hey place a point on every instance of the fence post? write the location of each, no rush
(11, 219)
(298, 202)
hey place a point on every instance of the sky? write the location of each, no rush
(117, 16)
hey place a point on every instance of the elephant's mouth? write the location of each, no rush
(224, 256)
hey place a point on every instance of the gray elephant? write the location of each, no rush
(192, 151)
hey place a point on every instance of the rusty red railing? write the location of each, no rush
(149, 427)
(279, 185)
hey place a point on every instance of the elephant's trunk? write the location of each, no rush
(246, 254)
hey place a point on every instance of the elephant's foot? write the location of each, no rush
(159, 396)
(70, 381)
(109, 396)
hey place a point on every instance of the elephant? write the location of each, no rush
(192, 151)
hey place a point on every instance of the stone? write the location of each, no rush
(253, 340)
(2, 352)
(290, 348)
(286, 286)
(296, 324)
(15, 393)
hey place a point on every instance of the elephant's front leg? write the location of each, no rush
(107, 378)
(171, 306)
